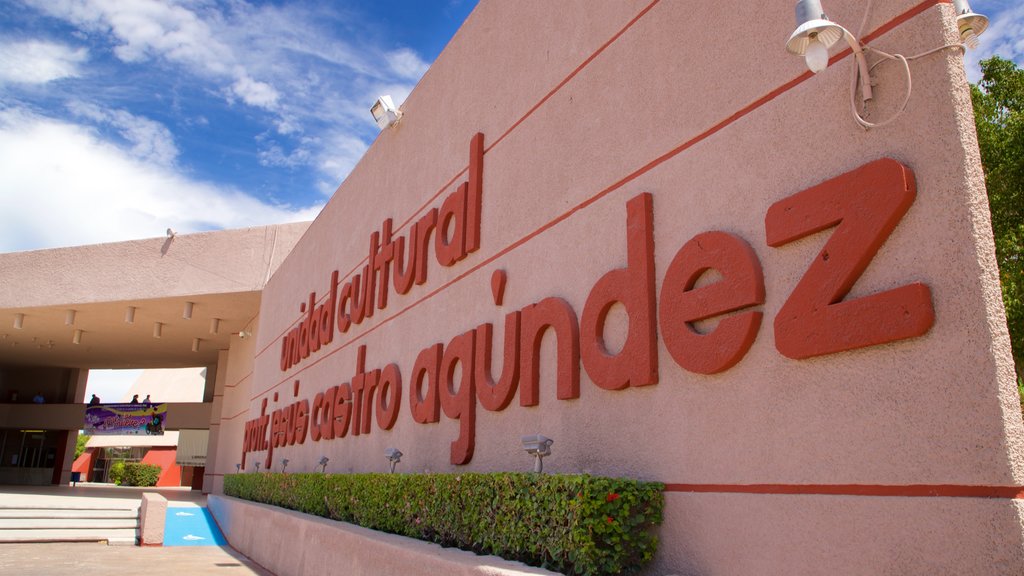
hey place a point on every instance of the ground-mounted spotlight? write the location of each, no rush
(284, 465)
(394, 456)
(257, 466)
(323, 464)
(538, 446)
(238, 468)
(971, 25)
(384, 112)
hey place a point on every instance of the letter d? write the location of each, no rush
(637, 363)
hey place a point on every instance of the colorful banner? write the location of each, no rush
(125, 419)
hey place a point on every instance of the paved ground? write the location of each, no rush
(58, 559)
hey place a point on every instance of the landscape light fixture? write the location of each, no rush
(257, 466)
(385, 113)
(187, 312)
(284, 465)
(69, 318)
(19, 321)
(129, 315)
(77, 338)
(238, 468)
(323, 464)
(971, 25)
(394, 456)
(538, 446)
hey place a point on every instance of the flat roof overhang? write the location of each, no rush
(221, 273)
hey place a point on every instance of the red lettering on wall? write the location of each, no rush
(633, 286)
(459, 402)
(558, 315)
(425, 407)
(496, 396)
(864, 205)
(389, 397)
(682, 303)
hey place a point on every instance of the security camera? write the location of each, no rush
(394, 456)
(538, 446)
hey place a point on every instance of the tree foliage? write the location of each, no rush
(999, 116)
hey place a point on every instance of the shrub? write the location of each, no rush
(116, 473)
(574, 524)
(138, 474)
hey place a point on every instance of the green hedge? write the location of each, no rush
(573, 524)
(138, 474)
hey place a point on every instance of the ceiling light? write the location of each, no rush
(19, 321)
(195, 344)
(187, 313)
(77, 338)
(158, 330)
(129, 315)
(69, 318)
(214, 325)
(384, 112)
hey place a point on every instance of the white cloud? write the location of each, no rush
(1004, 37)
(407, 64)
(38, 62)
(340, 155)
(254, 93)
(150, 140)
(60, 185)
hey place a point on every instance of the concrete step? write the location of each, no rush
(68, 513)
(114, 537)
(69, 523)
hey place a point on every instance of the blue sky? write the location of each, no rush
(121, 118)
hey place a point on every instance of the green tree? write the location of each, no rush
(999, 116)
(80, 444)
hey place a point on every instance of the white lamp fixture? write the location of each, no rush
(69, 318)
(384, 112)
(394, 456)
(538, 446)
(158, 330)
(129, 315)
(77, 338)
(971, 25)
(19, 321)
(815, 34)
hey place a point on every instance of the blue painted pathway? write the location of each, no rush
(191, 526)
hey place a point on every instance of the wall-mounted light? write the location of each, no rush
(77, 338)
(69, 318)
(214, 325)
(244, 334)
(284, 465)
(158, 329)
(384, 112)
(19, 321)
(171, 233)
(323, 463)
(538, 446)
(129, 315)
(971, 25)
(195, 344)
(187, 312)
(394, 456)
(815, 34)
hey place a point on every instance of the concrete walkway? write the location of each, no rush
(47, 559)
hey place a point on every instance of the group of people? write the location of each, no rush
(95, 401)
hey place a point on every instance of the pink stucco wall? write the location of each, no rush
(582, 109)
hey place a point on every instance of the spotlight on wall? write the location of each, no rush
(214, 325)
(77, 338)
(171, 233)
(158, 330)
(238, 468)
(385, 113)
(69, 318)
(19, 321)
(814, 35)
(971, 25)
(323, 463)
(244, 334)
(187, 312)
(284, 465)
(195, 344)
(129, 315)
(538, 446)
(394, 456)
(257, 466)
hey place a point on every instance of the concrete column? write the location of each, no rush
(152, 516)
(217, 397)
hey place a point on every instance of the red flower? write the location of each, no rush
(612, 497)
(610, 519)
